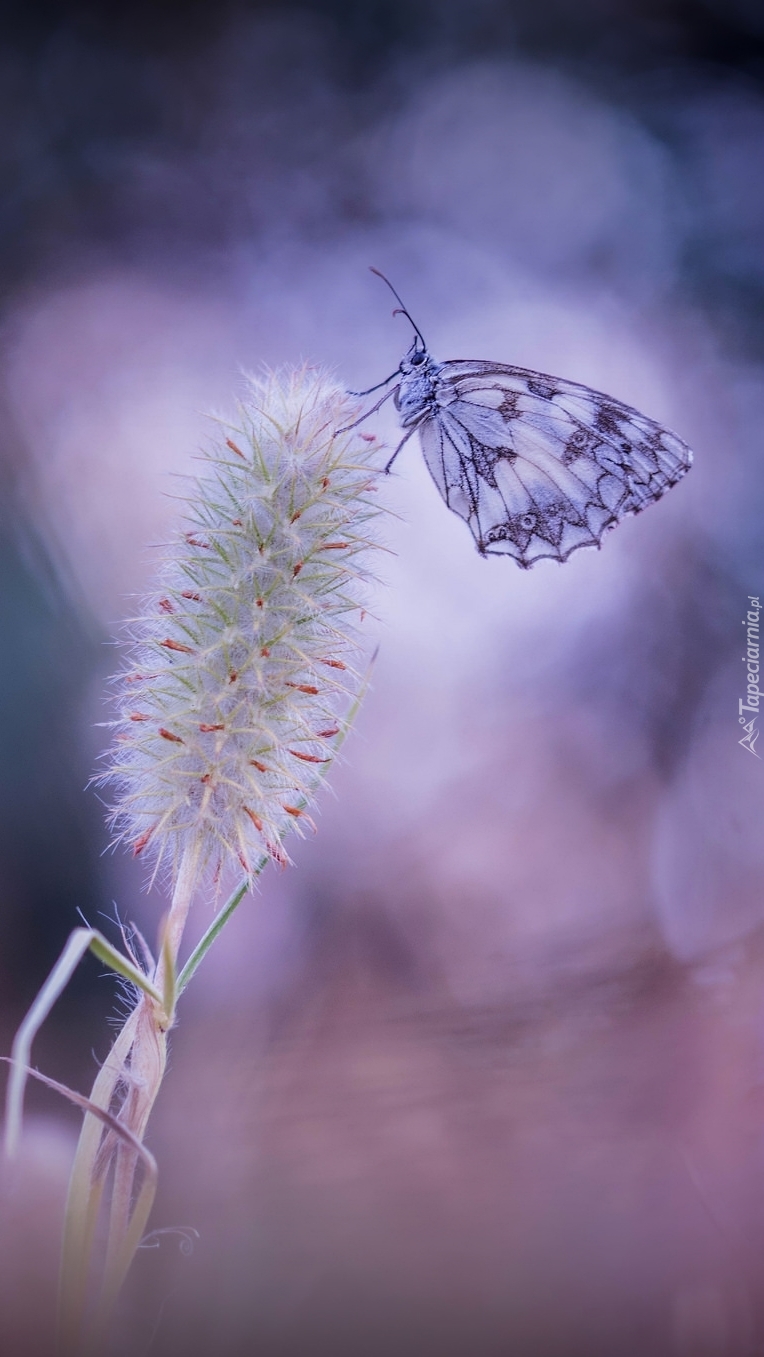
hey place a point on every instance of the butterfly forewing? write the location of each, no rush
(538, 466)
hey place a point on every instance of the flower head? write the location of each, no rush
(241, 672)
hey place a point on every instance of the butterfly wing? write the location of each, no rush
(538, 466)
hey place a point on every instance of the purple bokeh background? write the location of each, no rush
(482, 1072)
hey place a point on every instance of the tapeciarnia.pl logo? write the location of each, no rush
(750, 703)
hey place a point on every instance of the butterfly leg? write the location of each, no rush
(372, 411)
(403, 441)
(378, 387)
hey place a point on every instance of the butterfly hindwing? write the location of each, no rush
(538, 466)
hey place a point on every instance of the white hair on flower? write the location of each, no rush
(241, 669)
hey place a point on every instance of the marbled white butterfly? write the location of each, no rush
(536, 466)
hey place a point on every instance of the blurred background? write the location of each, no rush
(483, 1072)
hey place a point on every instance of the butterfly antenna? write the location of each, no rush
(400, 310)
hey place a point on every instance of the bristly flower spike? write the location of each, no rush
(240, 674)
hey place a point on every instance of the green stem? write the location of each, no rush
(218, 923)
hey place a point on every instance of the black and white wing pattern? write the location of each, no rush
(535, 465)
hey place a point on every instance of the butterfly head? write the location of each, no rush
(416, 389)
(416, 360)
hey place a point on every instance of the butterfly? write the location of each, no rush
(535, 465)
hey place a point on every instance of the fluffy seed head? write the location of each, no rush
(241, 671)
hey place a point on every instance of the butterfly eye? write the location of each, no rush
(418, 357)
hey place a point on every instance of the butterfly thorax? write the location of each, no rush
(416, 395)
